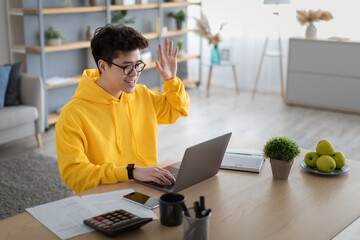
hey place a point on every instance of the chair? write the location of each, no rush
(28, 118)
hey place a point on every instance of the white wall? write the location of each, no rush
(248, 23)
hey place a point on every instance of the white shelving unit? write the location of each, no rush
(41, 13)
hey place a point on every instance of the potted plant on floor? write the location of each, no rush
(53, 36)
(179, 17)
(282, 152)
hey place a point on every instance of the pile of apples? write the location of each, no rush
(325, 159)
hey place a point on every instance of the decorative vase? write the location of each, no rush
(311, 31)
(94, 2)
(89, 33)
(215, 55)
(178, 24)
(280, 169)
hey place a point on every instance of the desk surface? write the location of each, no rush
(253, 206)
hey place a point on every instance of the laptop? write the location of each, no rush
(200, 162)
(242, 162)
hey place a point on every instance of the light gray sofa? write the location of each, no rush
(27, 118)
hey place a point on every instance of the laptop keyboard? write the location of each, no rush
(169, 187)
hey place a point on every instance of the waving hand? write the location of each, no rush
(168, 64)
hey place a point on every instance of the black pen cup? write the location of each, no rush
(196, 228)
(171, 209)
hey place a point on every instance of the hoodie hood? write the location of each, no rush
(89, 90)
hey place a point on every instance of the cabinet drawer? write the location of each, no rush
(317, 90)
(335, 58)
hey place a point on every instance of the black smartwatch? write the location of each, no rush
(130, 169)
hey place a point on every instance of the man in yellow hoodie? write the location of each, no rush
(108, 131)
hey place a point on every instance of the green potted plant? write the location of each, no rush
(180, 44)
(119, 18)
(282, 152)
(180, 17)
(53, 36)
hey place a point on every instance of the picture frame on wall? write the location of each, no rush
(225, 55)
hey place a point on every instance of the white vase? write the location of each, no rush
(53, 41)
(310, 31)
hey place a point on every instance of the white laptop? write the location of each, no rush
(243, 160)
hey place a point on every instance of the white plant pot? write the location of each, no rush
(311, 31)
(53, 41)
(124, 2)
(181, 53)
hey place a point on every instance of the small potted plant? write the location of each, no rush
(180, 45)
(119, 18)
(282, 152)
(53, 36)
(179, 17)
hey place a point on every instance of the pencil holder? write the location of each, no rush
(196, 228)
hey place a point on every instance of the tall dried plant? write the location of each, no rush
(205, 31)
(313, 16)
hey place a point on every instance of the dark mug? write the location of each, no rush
(171, 209)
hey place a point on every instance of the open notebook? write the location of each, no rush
(243, 160)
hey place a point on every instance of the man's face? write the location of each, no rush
(120, 81)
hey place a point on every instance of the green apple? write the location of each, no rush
(324, 147)
(325, 163)
(339, 159)
(311, 158)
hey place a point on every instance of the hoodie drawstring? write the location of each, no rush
(116, 127)
(133, 133)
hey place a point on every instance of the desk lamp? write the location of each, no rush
(272, 53)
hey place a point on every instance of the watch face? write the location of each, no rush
(130, 166)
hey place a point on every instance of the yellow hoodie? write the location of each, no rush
(98, 135)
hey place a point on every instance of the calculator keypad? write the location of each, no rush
(114, 222)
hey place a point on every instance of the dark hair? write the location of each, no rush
(110, 39)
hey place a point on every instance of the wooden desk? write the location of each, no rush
(253, 206)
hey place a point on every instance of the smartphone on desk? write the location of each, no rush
(142, 199)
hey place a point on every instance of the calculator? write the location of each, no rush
(115, 222)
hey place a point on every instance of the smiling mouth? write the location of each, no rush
(132, 81)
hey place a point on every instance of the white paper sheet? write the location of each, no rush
(65, 217)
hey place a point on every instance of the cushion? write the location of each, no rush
(4, 79)
(14, 116)
(13, 88)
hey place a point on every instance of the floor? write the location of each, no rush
(224, 111)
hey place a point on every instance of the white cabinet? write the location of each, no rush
(324, 74)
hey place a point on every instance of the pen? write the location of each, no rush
(197, 209)
(186, 212)
(202, 203)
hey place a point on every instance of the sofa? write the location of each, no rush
(28, 117)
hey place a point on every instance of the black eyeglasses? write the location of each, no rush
(129, 68)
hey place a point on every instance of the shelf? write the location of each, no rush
(53, 118)
(65, 10)
(134, 7)
(188, 82)
(86, 44)
(77, 79)
(176, 32)
(58, 48)
(179, 4)
(89, 9)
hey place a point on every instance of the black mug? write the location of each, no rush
(171, 209)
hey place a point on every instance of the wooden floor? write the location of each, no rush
(224, 111)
